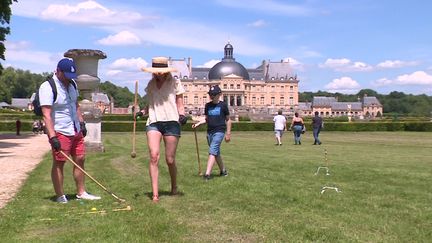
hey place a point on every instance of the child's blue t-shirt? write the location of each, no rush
(216, 115)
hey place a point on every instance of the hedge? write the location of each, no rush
(127, 126)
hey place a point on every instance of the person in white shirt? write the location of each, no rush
(65, 128)
(279, 127)
(165, 115)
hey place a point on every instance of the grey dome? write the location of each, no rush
(228, 66)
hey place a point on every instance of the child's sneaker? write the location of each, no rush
(87, 196)
(62, 199)
(224, 173)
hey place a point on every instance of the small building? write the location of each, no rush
(4, 105)
(22, 103)
(369, 107)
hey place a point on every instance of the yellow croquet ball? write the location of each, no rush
(93, 209)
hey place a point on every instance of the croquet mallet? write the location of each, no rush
(93, 179)
(133, 153)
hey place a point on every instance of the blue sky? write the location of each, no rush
(336, 46)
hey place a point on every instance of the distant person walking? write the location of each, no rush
(297, 126)
(35, 127)
(317, 125)
(18, 127)
(165, 115)
(65, 128)
(218, 121)
(279, 127)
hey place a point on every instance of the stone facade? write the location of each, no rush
(266, 89)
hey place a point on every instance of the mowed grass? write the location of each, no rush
(270, 195)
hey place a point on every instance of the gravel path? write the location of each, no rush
(19, 155)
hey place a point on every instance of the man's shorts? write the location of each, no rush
(166, 128)
(279, 133)
(70, 145)
(214, 141)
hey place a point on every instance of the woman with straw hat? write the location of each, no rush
(166, 113)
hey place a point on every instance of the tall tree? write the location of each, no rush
(5, 14)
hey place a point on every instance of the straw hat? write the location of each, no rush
(159, 65)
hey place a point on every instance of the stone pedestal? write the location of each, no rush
(86, 62)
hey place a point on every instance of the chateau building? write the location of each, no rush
(267, 88)
(259, 91)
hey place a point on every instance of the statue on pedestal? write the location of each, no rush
(86, 61)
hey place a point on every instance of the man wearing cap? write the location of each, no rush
(65, 128)
(165, 115)
(218, 121)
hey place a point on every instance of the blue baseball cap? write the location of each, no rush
(67, 66)
(214, 90)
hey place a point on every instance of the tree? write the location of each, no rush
(5, 14)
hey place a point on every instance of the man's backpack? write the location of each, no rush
(37, 109)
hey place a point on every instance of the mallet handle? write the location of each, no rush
(89, 176)
(197, 150)
(134, 123)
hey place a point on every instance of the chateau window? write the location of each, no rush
(282, 100)
(231, 86)
(253, 78)
(225, 99)
(185, 100)
(185, 87)
(262, 100)
(195, 78)
(272, 100)
(291, 88)
(185, 77)
(238, 86)
(272, 78)
(254, 100)
(291, 100)
(282, 78)
(225, 86)
(272, 88)
(282, 88)
(204, 77)
(196, 99)
(204, 100)
(175, 76)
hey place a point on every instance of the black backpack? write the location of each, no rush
(37, 109)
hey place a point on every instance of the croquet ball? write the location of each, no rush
(133, 155)
(93, 209)
(128, 208)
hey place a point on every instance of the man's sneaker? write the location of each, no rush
(62, 199)
(206, 177)
(87, 196)
(224, 173)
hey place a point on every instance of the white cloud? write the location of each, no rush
(395, 64)
(343, 85)
(127, 65)
(37, 61)
(269, 6)
(165, 31)
(89, 12)
(121, 38)
(345, 65)
(258, 24)
(294, 63)
(209, 64)
(415, 78)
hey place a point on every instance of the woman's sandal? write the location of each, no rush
(155, 198)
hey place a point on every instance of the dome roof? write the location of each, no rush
(227, 66)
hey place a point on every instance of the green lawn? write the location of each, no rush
(270, 195)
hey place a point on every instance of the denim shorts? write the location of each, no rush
(166, 128)
(214, 141)
(279, 133)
